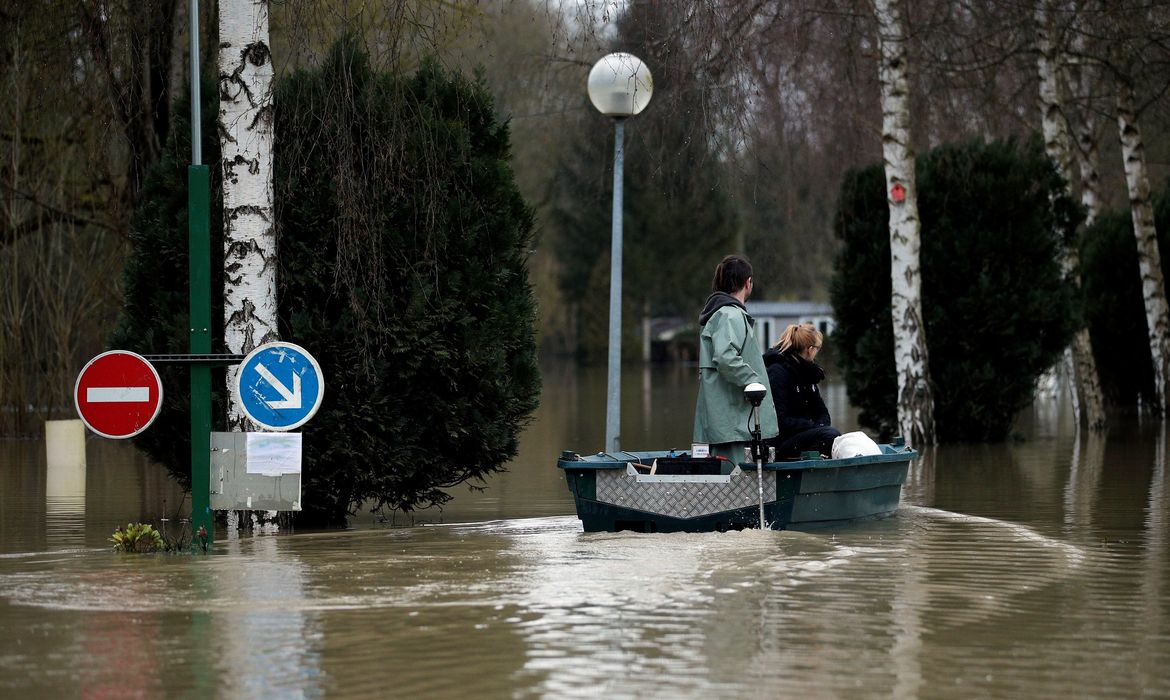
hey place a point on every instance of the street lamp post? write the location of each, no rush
(620, 86)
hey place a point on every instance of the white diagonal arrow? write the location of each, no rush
(292, 399)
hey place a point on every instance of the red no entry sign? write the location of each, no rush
(118, 394)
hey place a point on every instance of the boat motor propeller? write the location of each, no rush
(755, 394)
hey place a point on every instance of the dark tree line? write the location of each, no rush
(763, 106)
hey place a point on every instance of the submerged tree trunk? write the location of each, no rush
(1088, 406)
(915, 400)
(245, 128)
(1149, 260)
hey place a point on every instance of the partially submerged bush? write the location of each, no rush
(1114, 305)
(996, 308)
(137, 537)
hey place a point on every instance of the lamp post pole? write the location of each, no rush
(620, 86)
(613, 392)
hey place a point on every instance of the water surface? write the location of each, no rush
(1036, 568)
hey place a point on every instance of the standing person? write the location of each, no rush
(729, 360)
(804, 422)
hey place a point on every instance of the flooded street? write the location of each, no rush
(1037, 568)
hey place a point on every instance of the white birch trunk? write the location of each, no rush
(1086, 76)
(1088, 406)
(1149, 260)
(245, 129)
(915, 399)
(1088, 161)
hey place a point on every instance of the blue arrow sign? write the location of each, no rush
(279, 386)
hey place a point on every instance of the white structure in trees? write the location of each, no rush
(772, 317)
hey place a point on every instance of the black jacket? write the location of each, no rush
(794, 390)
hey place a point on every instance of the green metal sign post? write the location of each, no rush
(199, 291)
(199, 249)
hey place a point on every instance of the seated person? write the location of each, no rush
(800, 411)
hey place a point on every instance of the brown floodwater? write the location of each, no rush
(1036, 568)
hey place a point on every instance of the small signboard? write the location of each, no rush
(279, 386)
(256, 471)
(118, 394)
(273, 454)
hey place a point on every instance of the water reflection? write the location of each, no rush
(1083, 482)
(1154, 569)
(78, 503)
(121, 656)
(65, 468)
(273, 643)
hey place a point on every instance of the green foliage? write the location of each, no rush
(140, 538)
(1113, 303)
(403, 269)
(864, 336)
(997, 309)
(403, 245)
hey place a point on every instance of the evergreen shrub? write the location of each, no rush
(1114, 306)
(403, 245)
(997, 309)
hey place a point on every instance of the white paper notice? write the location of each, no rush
(700, 450)
(273, 454)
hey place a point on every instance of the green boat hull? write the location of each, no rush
(807, 494)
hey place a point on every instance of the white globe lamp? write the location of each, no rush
(620, 85)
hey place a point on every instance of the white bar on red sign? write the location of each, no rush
(113, 394)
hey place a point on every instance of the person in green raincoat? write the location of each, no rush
(729, 360)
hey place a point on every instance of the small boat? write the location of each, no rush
(673, 492)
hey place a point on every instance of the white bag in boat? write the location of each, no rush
(855, 444)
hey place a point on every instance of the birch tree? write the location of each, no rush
(1088, 406)
(915, 400)
(245, 131)
(1149, 259)
(1086, 153)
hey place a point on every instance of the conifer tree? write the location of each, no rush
(404, 246)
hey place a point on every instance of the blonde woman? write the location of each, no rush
(793, 373)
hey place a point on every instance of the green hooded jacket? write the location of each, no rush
(729, 360)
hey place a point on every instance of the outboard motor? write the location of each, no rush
(755, 393)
